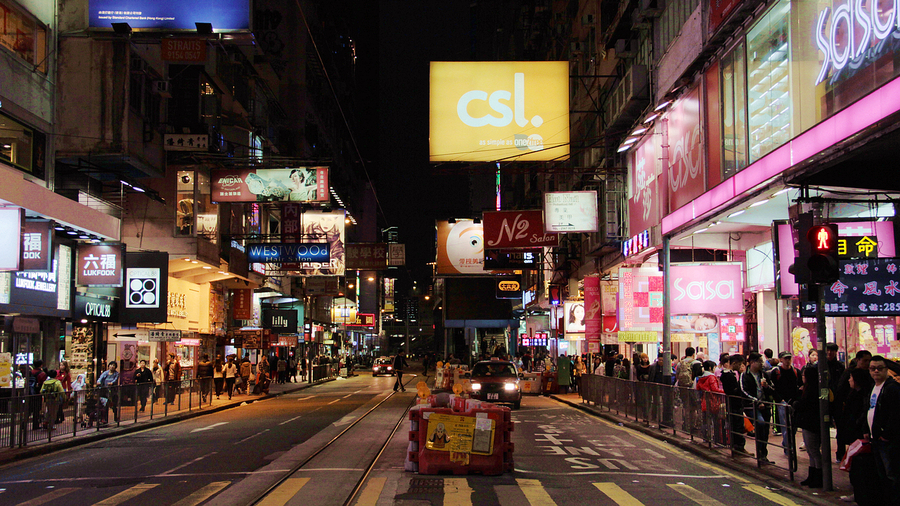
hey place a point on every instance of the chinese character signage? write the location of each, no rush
(516, 229)
(224, 15)
(300, 184)
(570, 211)
(593, 318)
(186, 142)
(364, 319)
(858, 247)
(396, 255)
(99, 265)
(36, 246)
(509, 288)
(867, 287)
(367, 256)
(242, 303)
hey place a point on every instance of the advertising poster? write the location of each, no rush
(644, 199)
(81, 350)
(242, 303)
(516, 229)
(319, 226)
(300, 184)
(6, 368)
(486, 111)
(459, 434)
(224, 15)
(460, 248)
(640, 300)
(593, 317)
(11, 219)
(571, 211)
(574, 317)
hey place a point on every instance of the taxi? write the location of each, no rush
(383, 365)
(496, 381)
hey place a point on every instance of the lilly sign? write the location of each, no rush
(491, 111)
(712, 288)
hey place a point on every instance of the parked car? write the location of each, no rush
(383, 365)
(496, 381)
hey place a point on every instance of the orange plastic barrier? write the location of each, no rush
(459, 440)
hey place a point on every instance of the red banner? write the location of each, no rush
(516, 229)
(242, 303)
(685, 176)
(593, 317)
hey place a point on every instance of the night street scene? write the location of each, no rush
(449, 253)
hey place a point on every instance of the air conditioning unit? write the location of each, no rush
(162, 88)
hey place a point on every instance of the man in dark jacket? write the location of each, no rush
(36, 379)
(143, 378)
(883, 430)
(732, 387)
(399, 365)
(842, 391)
(661, 395)
(204, 375)
(786, 381)
(756, 387)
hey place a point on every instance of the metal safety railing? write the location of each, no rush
(718, 420)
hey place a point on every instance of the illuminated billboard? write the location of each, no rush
(299, 184)
(460, 248)
(491, 111)
(317, 226)
(223, 15)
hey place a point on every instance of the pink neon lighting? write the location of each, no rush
(865, 112)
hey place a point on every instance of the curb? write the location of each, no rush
(15, 455)
(773, 482)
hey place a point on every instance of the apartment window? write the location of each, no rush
(23, 35)
(734, 111)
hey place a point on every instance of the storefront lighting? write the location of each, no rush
(757, 204)
(371, 278)
(624, 147)
(639, 131)
(662, 106)
(781, 192)
(72, 232)
(59, 228)
(194, 262)
(187, 259)
(84, 320)
(137, 189)
(737, 213)
(651, 118)
(631, 140)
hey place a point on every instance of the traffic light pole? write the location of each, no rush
(824, 382)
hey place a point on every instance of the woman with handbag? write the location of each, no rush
(863, 473)
(806, 416)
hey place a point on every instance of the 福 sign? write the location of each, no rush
(99, 265)
(37, 246)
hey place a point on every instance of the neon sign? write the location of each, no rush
(849, 21)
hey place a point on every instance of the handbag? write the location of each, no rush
(858, 447)
(238, 381)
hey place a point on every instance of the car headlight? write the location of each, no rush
(476, 386)
(510, 387)
(389, 368)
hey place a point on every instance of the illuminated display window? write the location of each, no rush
(23, 35)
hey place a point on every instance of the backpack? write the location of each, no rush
(54, 386)
(683, 373)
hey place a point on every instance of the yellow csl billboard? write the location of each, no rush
(499, 111)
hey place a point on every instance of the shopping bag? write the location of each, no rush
(748, 425)
(858, 447)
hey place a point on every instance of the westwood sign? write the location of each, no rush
(276, 253)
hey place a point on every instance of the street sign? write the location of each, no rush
(164, 336)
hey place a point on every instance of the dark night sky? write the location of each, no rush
(395, 41)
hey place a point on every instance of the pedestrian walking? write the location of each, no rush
(107, 382)
(292, 369)
(786, 381)
(64, 375)
(158, 379)
(884, 431)
(36, 379)
(231, 372)
(172, 378)
(282, 370)
(143, 378)
(205, 376)
(756, 388)
(246, 370)
(219, 376)
(54, 395)
(399, 365)
(807, 416)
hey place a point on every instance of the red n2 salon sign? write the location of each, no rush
(516, 229)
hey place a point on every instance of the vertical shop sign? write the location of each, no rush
(37, 246)
(242, 303)
(686, 180)
(99, 265)
(643, 204)
(146, 287)
(593, 317)
(11, 226)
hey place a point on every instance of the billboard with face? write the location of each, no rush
(486, 111)
(460, 248)
(298, 184)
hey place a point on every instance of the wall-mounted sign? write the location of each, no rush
(300, 184)
(396, 255)
(364, 319)
(574, 317)
(731, 328)
(176, 305)
(858, 247)
(146, 288)
(37, 238)
(710, 288)
(11, 222)
(644, 198)
(636, 244)
(99, 264)
(186, 142)
(867, 287)
(843, 44)
(510, 260)
(509, 288)
(366, 256)
(280, 321)
(516, 229)
(460, 248)
(167, 336)
(686, 177)
(142, 288)
(184, 50)
(570, 211)
(633, 336)
(242, 303)
(224, 15)
(277, 253)
(94, 309)
(322, 285)
(485, 111)
(25, 325)
(640, 301)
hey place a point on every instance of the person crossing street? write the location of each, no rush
(399, 364)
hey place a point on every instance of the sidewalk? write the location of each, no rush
(129, 425)
(775, 477)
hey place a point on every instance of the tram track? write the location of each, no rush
(261, 498)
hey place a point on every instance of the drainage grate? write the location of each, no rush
(426, 486)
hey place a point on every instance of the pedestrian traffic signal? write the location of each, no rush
(800, 267)
(823, 259)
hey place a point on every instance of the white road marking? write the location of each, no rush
(305, 398)
(621, 473)
(253, 436)
(131, 478)
(170, 471)
(201, 429)
(203, 494)
(348, 395)
(289, 421)
(332, 402)
(330, 469)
